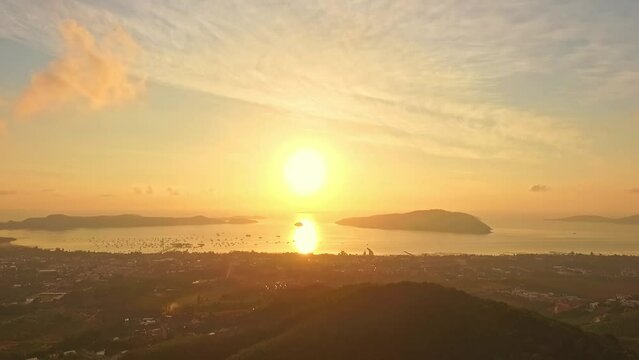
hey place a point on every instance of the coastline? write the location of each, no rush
(523, 281)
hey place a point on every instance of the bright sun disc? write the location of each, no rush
(305, 172)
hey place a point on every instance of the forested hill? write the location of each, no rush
(396, 321)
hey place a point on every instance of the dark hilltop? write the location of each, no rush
(395, 321)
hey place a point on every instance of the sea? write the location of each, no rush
(308, 233)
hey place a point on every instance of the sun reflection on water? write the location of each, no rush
(305, 237)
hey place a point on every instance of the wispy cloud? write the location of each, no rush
(143, 191)
(436, 70)
(634, 190)
(90, 71)
(539, 188)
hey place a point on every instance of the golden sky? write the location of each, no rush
(154, 107)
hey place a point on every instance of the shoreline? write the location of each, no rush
(9, 242)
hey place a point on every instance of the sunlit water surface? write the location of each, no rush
(313, 236)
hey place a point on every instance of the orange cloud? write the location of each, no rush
(94, 72)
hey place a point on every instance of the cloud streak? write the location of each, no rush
(539, 188)
(94, 72)
(436, 70)
(143, 191)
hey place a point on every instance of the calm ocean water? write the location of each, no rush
(280, 235)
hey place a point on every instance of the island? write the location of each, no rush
(435, 220)
(628, 220)
(66, 222)
(6, 240)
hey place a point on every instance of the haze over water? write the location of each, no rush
(509, 236)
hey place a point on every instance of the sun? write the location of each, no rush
(305, 172)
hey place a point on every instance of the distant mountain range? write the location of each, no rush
(65, 222)
(422, 220)
(629, 220)
(395, 321)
